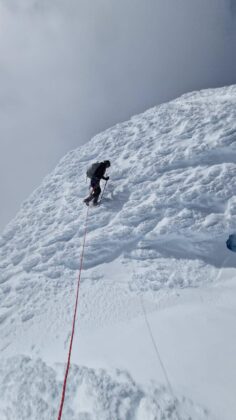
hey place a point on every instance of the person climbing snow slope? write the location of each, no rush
(96, 172)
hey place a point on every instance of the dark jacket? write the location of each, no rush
(100, 171)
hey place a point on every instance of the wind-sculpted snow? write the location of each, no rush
(168, 209)
(30, 389)
(172, 190)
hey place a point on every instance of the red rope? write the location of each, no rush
(73, 325)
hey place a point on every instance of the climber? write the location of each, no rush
(96, 172)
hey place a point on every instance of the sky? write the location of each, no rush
(70, 69)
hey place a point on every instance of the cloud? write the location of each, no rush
(71, 69)
(233, 7)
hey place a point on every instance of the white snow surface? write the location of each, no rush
(155, 332)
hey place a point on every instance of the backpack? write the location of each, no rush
(92, 168)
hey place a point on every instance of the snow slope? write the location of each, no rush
(155, 330)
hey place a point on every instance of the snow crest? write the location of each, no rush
(169, 206)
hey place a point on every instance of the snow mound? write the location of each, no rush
(31, 389)
(160, 231)
(172, 192)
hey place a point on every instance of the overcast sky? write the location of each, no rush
(71, 68)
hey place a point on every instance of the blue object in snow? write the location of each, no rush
(231, 242)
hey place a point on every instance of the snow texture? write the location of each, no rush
(158, 235)
(34, 389)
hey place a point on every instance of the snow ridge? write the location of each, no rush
(169, 207)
